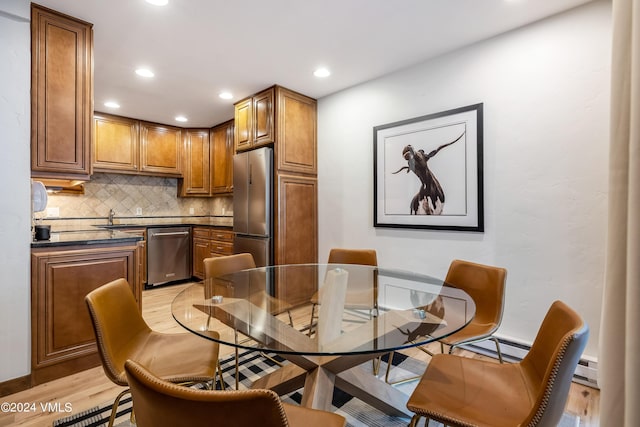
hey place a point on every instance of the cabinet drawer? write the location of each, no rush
(221, 248)
(200, 233)
(221, 235)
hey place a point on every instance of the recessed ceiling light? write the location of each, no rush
(158, 2)
(181, 119)
(322, 72)
(111, 104)
(144, 72)
(225, 95)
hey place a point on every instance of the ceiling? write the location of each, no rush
(198, 48)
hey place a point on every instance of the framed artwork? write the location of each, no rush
(427, 171)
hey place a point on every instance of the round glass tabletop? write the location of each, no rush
(323, 309)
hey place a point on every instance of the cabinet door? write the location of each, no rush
(201, 250)
(296, 233)
(263, 132)
(61, 95)
(63, 341)
(222, 158)
(115, 144)
(196, 172)
(243, 117)
(161, 148)
(296, 124)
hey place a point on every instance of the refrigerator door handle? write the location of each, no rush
(250, 173)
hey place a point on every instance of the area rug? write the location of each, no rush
(253, 366)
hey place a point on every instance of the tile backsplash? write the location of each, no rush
(125, 194)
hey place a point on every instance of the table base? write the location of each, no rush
(320, 374)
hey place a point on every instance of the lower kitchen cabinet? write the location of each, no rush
(62, 337)
(209, 242)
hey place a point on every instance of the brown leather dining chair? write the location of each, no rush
(159, 403)
(462, 391)
(121, 334)
(486, 285)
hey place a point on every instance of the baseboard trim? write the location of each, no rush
(15, 385)
(586, 371)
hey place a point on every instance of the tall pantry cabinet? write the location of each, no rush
(287, 120)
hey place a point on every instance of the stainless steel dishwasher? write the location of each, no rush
(168, 254)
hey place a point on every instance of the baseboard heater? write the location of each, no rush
(586, 371)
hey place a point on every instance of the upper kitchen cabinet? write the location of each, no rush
(296, 133)
(196, 172)
(222, 158)
(254, 118)
(282, 117)
(126, 145)
(116, 144)
(160, 149)
(61, 95)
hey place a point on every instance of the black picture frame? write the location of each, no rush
(428, 171)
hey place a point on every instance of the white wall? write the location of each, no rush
(545, 90)
(15, 199)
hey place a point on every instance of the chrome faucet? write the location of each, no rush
(111, 214)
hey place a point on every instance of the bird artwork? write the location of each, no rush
(430, 198)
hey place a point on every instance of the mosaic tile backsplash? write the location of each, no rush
(155, 196)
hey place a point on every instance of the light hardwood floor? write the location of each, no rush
(91, 388)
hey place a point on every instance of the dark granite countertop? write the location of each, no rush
(85, 237)
(68, 235)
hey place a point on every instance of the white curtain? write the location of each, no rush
(619, 358)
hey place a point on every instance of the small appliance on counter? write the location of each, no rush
(39, 201)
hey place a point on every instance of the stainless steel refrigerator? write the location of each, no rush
(253, 204)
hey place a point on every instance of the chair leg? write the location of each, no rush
(114, 407)
(376, 365)
(414, 420)
(219, 370)
(313, 311)
(495, 340)
(237, 362)
(406, 380)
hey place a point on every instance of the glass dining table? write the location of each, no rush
(326, 320)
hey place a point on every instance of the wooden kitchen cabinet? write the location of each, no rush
(254, 118)
(160, 149)
(63, 340)
(196, 173)
(126, 145)
(61, 95)
(296, 122)
(209, 242)
(296, 227)
(222, 158)
(116, 144)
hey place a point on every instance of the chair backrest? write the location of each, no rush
(353, 256)
(552, 360)
(158, 403)
(219, 266)
(116, 322)
(485, 284)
